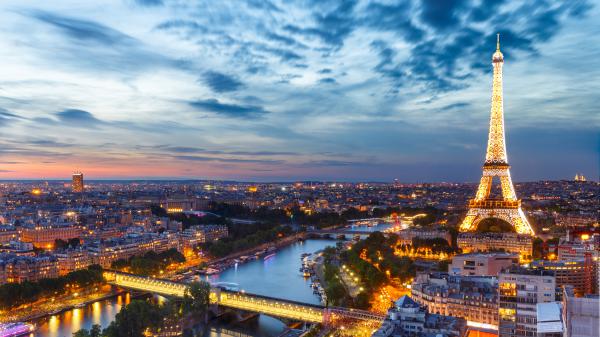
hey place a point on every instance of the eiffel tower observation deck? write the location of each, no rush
(484, 205)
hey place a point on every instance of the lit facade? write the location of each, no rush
(43, 236)
(474, 298)
(408, 318)
(577, 248)
(8, 233)
(180, 205)
(17, 269)
(477, 264)
(195, 235)
(507, 208)
(406, 236)
(106, 252)
(508, 242)
(581, 274)
(72, 260)
(520, 291)
(77, 184)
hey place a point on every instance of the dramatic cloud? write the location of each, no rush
(319, 89)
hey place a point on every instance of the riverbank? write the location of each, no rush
(39, 310)
(276, 276)
(230, 260)
(42, 309)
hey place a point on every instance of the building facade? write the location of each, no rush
(8, 233)
(17, 269)
(471, 297)
(106, 252)
(409, 319)
(485, 242)
(581, 315)
(549, 319)
(43, 236)
(577, 248)
(520, 290)
(77, 184)
(480, 264)
(581, 274)
(406, 236)
(73, 259)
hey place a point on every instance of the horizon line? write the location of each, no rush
(182, 179)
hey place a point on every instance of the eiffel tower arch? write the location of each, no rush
(483, 206)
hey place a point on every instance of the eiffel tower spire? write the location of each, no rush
(496, 148)
(508, 208)
(498, 42)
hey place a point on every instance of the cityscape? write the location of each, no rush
(226, 214)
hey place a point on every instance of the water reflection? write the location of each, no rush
(96, 312)
(277, 276)
(68, 322)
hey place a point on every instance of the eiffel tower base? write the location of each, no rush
(514, 216)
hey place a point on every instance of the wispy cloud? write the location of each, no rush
(228, 160)
(220, 82)
(228, 110)
(78, 117)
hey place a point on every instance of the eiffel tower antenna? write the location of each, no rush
(483, 206)
(498, 42)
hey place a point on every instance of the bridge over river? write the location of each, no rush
(329, 316)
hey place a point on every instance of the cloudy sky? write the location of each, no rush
(285, 90)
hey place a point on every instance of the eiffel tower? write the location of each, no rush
(508, 207)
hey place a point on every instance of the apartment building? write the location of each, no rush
(520, 290)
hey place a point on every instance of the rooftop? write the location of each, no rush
(549, 318)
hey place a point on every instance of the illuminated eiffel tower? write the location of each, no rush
(508, 207)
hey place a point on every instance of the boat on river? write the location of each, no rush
(269, 256)
(16, 329)
(208, 271)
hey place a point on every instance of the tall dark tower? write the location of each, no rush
(77, 184)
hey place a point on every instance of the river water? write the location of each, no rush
(277, 276)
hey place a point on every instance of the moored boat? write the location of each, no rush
(16, 329)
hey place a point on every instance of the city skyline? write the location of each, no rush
(364, 91)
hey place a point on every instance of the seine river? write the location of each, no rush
(277, 276)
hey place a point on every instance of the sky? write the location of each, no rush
(269, 90)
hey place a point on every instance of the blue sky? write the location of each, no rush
(286, 90)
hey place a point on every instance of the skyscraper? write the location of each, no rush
(484, 205)
(77, 184)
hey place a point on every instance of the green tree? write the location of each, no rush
(336, 293)
(134, 319)
(361, 301)
(82, 333)
(95, 331)
(196, 298)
